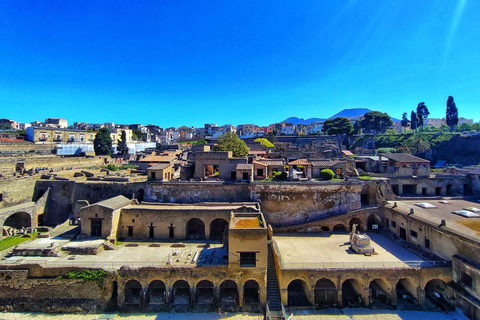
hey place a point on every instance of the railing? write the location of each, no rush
(86, 264)
(366, 264)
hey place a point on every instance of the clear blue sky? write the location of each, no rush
(176, 63)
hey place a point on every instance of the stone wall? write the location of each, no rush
(16, 191)
(51, 162)
(23, 148)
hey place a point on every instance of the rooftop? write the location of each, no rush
(467, 226)
(332, 251)
(403, 157)
(114, 203)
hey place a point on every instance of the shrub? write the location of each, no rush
(327, 174)
(280, 175)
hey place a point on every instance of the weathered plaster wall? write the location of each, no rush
(16, 191)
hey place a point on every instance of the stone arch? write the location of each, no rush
(229, 293)
(297, 293)
(380, 291)
(218, 228)
(325, 293)
(195, 229)
(204, 293)
(133, 292)
(18, 220)
(352, 293)
(406, 291)
(181, 293)
(157, 292)
(325, 228)
(359, 222)
(438, 294)
(373, 219)
(251, 292)
(340, 228)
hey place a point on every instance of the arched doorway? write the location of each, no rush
(371, 221)
(204, 294)
(449, 190)
(351, 293)
(325, 293)
(18, 220)
(133, 292)
(406, 292)
(251, 292)
(195, 229)
(156, 293)
(297, 293)
(229, 293)
(379, 292)
(340, 228)
(358, 222)
(438, 295)
(181, 293)
(217, 228)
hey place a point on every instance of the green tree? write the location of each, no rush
(137, 134)
(405, 122)
(465, 127)
(418, 144)
(422, 114)
(122, 148)
(229, 141)
(376, 122)
(339, 126)
(413, 121)
(451, 115)
(264, 142)
(476, 127)
(103, 142)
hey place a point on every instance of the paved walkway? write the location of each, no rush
(333, 314)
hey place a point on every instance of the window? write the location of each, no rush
(413, 234)
(248, 259)
(71, 137)
(260, 172)
(82, 138)
(394, 225)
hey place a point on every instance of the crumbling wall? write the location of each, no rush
(16, 191)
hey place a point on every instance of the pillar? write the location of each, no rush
(365, 295)
(421, 296)
(168, 295)
(192, 297)
(284, 296)
(240, 296)
(207, 230)
(216, 296)
(262, 295)
(339, 297)
(309, 172)
(393, 296)
(311, 295)
(290, 172)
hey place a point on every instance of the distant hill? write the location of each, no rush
(296, 120)
(355, 112)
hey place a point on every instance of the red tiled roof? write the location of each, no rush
(300, 162)
(324, 163)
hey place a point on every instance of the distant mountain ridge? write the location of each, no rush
(296, 120)
(354, 112)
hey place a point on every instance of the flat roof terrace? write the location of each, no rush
(469, 227)
(332, 251)
(187, 254)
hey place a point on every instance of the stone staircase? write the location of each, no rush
(273, 293)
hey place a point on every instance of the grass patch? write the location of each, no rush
(113, 167)
(366, 177)
(87, 275)
(14, 240)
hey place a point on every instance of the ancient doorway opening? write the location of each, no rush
(133, 292)
(229, 293)
(439, 295)
(113, 301)
(181, 292)
(438, 191)
(204, 294)
(372, 221)
(195, 229)
(156, 293)
(449, 190)
(96, 227)
(410, 189)
(140, 195)
(151, 231)
(297, 293)
(171, 231)
(406, 292)
(251, 292)
(379, 292)
(325, 293)
(403, 234)
(395, 189)
(245, 176)
(351, 293)
(217, 228)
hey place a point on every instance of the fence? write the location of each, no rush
(366, 264)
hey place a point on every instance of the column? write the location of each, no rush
(240, 296)
(421, 296)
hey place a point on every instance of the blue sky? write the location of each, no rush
(176, 63)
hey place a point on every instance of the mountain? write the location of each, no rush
(296, 120)
(355, 112)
